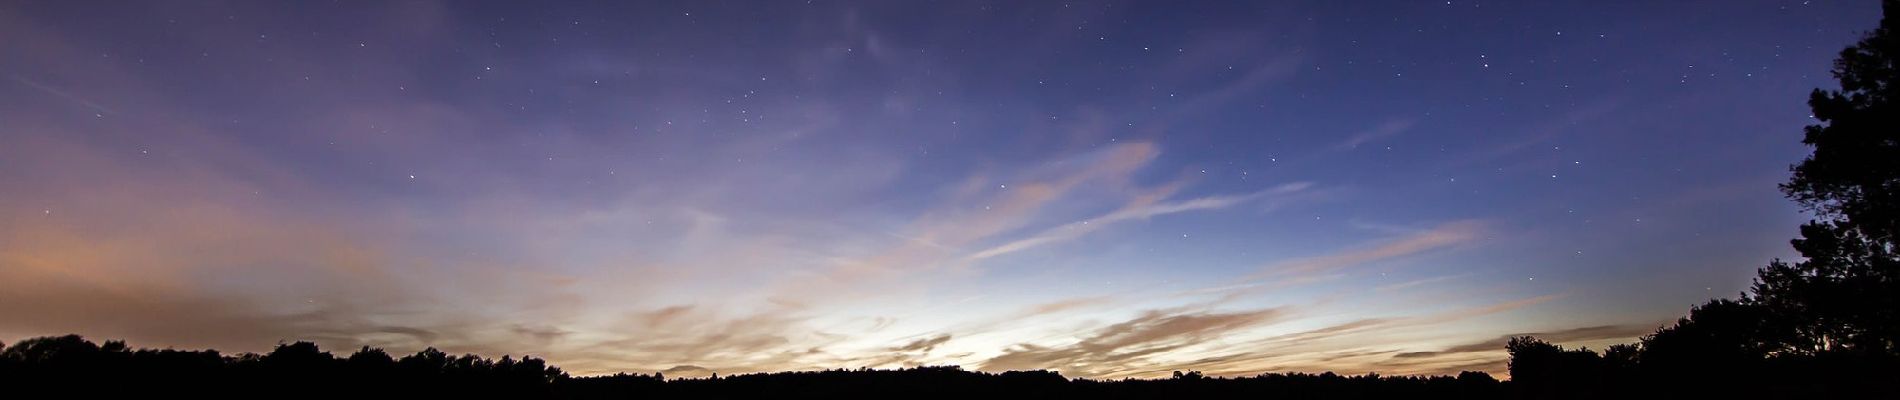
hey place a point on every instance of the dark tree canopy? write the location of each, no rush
(1853, 176)
(73, 367)
(1846, 294)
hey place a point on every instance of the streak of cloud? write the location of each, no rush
(1113, 347)
(63, 95)
(1439, 237)
(1381, 132)
(1587, 333)
(1131, 212)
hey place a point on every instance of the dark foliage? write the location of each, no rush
(1721, 350)
(1852, 177)
(1827, 326)
(76, 368)
(1846, 295)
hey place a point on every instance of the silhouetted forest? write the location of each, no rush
(73, 367)
(1825, 326)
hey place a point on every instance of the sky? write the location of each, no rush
(1104, 189)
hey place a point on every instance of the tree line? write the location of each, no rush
(72, 367)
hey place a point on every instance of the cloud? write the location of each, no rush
(687, 371)
(1115, 347)
(1063, 306)
(1137, 210)
(711, 338)
(1587, 333)
(1388, 129)
(1366, 325)
(1354, 326)
(977, 211)
(1442, 236)
(924, 345)
(1326, 267)
(543, 334)
(1032, 314)
(63, 94)
(661, 317)
(910, 354)
(159, 251)
(1571, 121)
(1415, 282)
(1325, 348)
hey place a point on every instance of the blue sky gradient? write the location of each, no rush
(1106, 189)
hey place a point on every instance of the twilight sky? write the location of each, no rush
(1104, 189)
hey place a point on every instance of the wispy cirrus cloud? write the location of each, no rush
(977, 210)
(1586, 333)
(63, 94)
(1438, 237)
(1415, 283)
(1385, 130)
(1142, 208)
(1337, 347)
(1117, 347)
(1374, 324)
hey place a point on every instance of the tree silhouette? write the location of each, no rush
(71, 367)
(1720, 334)
(1852, 178)
(1823, 326)
(1546, 370)
(1846, 294)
